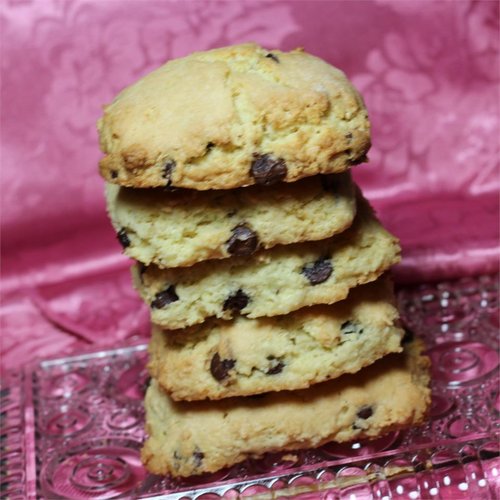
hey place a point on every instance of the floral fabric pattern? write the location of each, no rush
(429, 77)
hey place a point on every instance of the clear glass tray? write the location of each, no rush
(72, 427)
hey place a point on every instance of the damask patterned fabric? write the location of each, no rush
(429, 76)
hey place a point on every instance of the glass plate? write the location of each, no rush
(72, 427)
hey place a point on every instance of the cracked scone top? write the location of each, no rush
(233, 117)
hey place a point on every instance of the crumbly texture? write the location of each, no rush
(181, 228)
(271, 282)
(187, 438)
(233, 117)
(219, 359)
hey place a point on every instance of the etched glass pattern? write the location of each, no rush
(73, 427)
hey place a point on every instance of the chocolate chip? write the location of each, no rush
(319, 271)
(278, 368)
(114, 174)
(267, 170)
(219, 368)
(210, 145)
(123, 238)
(168, 169)
(236, 301)
(198, 457)
(348, 327)
(273, 57)
(408, 336)
(365, 412)
(276, 365)
(243, 241)
(165, 298)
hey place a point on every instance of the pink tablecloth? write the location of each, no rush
(429, 77)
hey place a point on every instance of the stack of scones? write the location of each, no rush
(264, 268)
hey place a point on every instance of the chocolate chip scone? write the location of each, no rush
(271, 282)
(219, 359)
(181, 228)
(233, 117)
(188, 438)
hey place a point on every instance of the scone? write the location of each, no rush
(188, 438)
(271, 282)
(219, 359)
(181, 228)
(233, 117)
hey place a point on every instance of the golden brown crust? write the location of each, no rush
(206, 436)
(200, 121)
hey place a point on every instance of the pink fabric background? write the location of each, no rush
(429, 74)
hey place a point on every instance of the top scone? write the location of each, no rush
(233, 117)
